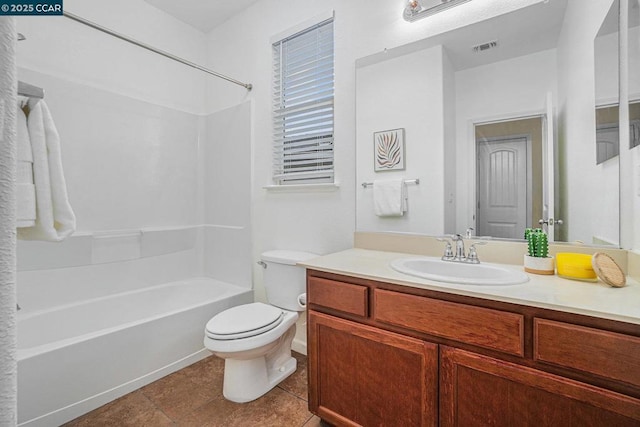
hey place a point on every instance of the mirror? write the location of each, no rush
(629, 151)
(634, 71)
(633, 38)
(460, 96)
(604, 173)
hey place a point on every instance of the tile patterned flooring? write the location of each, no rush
(193, 397)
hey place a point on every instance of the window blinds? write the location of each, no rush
(303, 106)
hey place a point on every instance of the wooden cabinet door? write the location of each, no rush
(363, 376)
(477, 390)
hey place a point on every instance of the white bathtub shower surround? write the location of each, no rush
(86, 248)
(85, 267)
(135, 137)
(77, 357)
(54, 327)
(226, 192)
(128, 164)
(105, 313)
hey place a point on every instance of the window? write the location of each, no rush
(303, 106)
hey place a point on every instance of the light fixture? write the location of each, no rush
(418, 9)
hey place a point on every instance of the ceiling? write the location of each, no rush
(204, 15)
(525, 31)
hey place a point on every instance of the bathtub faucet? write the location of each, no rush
(18, 307)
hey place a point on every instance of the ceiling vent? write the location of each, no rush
(485, 46)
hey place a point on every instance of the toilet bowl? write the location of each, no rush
(255, 339)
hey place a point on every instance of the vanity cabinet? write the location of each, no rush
(482, 391)
(363, 375)
(382, 354)
(370, 377)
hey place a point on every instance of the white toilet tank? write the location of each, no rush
(283, 280)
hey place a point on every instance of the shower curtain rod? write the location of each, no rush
(98, 27)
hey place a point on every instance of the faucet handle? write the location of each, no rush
(473, 253)
(469, 233)
(448, 249)
(448, 252)
(478, 243)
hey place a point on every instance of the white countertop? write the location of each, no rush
(589, 298)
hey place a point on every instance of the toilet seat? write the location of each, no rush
(251, 343)
(244, 321)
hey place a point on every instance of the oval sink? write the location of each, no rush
(457, 272)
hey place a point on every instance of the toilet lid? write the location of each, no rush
(244, 321)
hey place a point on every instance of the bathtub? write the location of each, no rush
(77, 357)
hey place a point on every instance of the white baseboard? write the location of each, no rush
(299, 346)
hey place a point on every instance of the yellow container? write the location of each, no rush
(575, 266)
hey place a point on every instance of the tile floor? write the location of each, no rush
(193, 397)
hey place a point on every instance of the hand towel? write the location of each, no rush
(55, 219)
(25, 190)
(24, 144)
(25, 205)
(389, 197)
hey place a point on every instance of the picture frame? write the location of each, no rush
(389, 150)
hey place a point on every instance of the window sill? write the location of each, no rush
(303, 188)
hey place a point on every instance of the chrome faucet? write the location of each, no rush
(18, 307)
(459, 254)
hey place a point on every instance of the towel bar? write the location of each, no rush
(406, 181)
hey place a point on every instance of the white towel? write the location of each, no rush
(24, 173)
(24, 144)
(389, 197)
(25, 205)
(54, 217)
(25, 190)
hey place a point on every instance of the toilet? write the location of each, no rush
(255, 339)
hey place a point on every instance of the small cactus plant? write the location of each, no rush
(537, 242)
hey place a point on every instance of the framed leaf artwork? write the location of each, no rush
(388, 150)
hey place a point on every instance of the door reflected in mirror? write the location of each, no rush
(509, 177)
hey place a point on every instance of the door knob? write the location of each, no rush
(551, 221)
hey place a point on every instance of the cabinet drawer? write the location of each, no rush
(603, 353)
(345, 297)
(484, 327)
